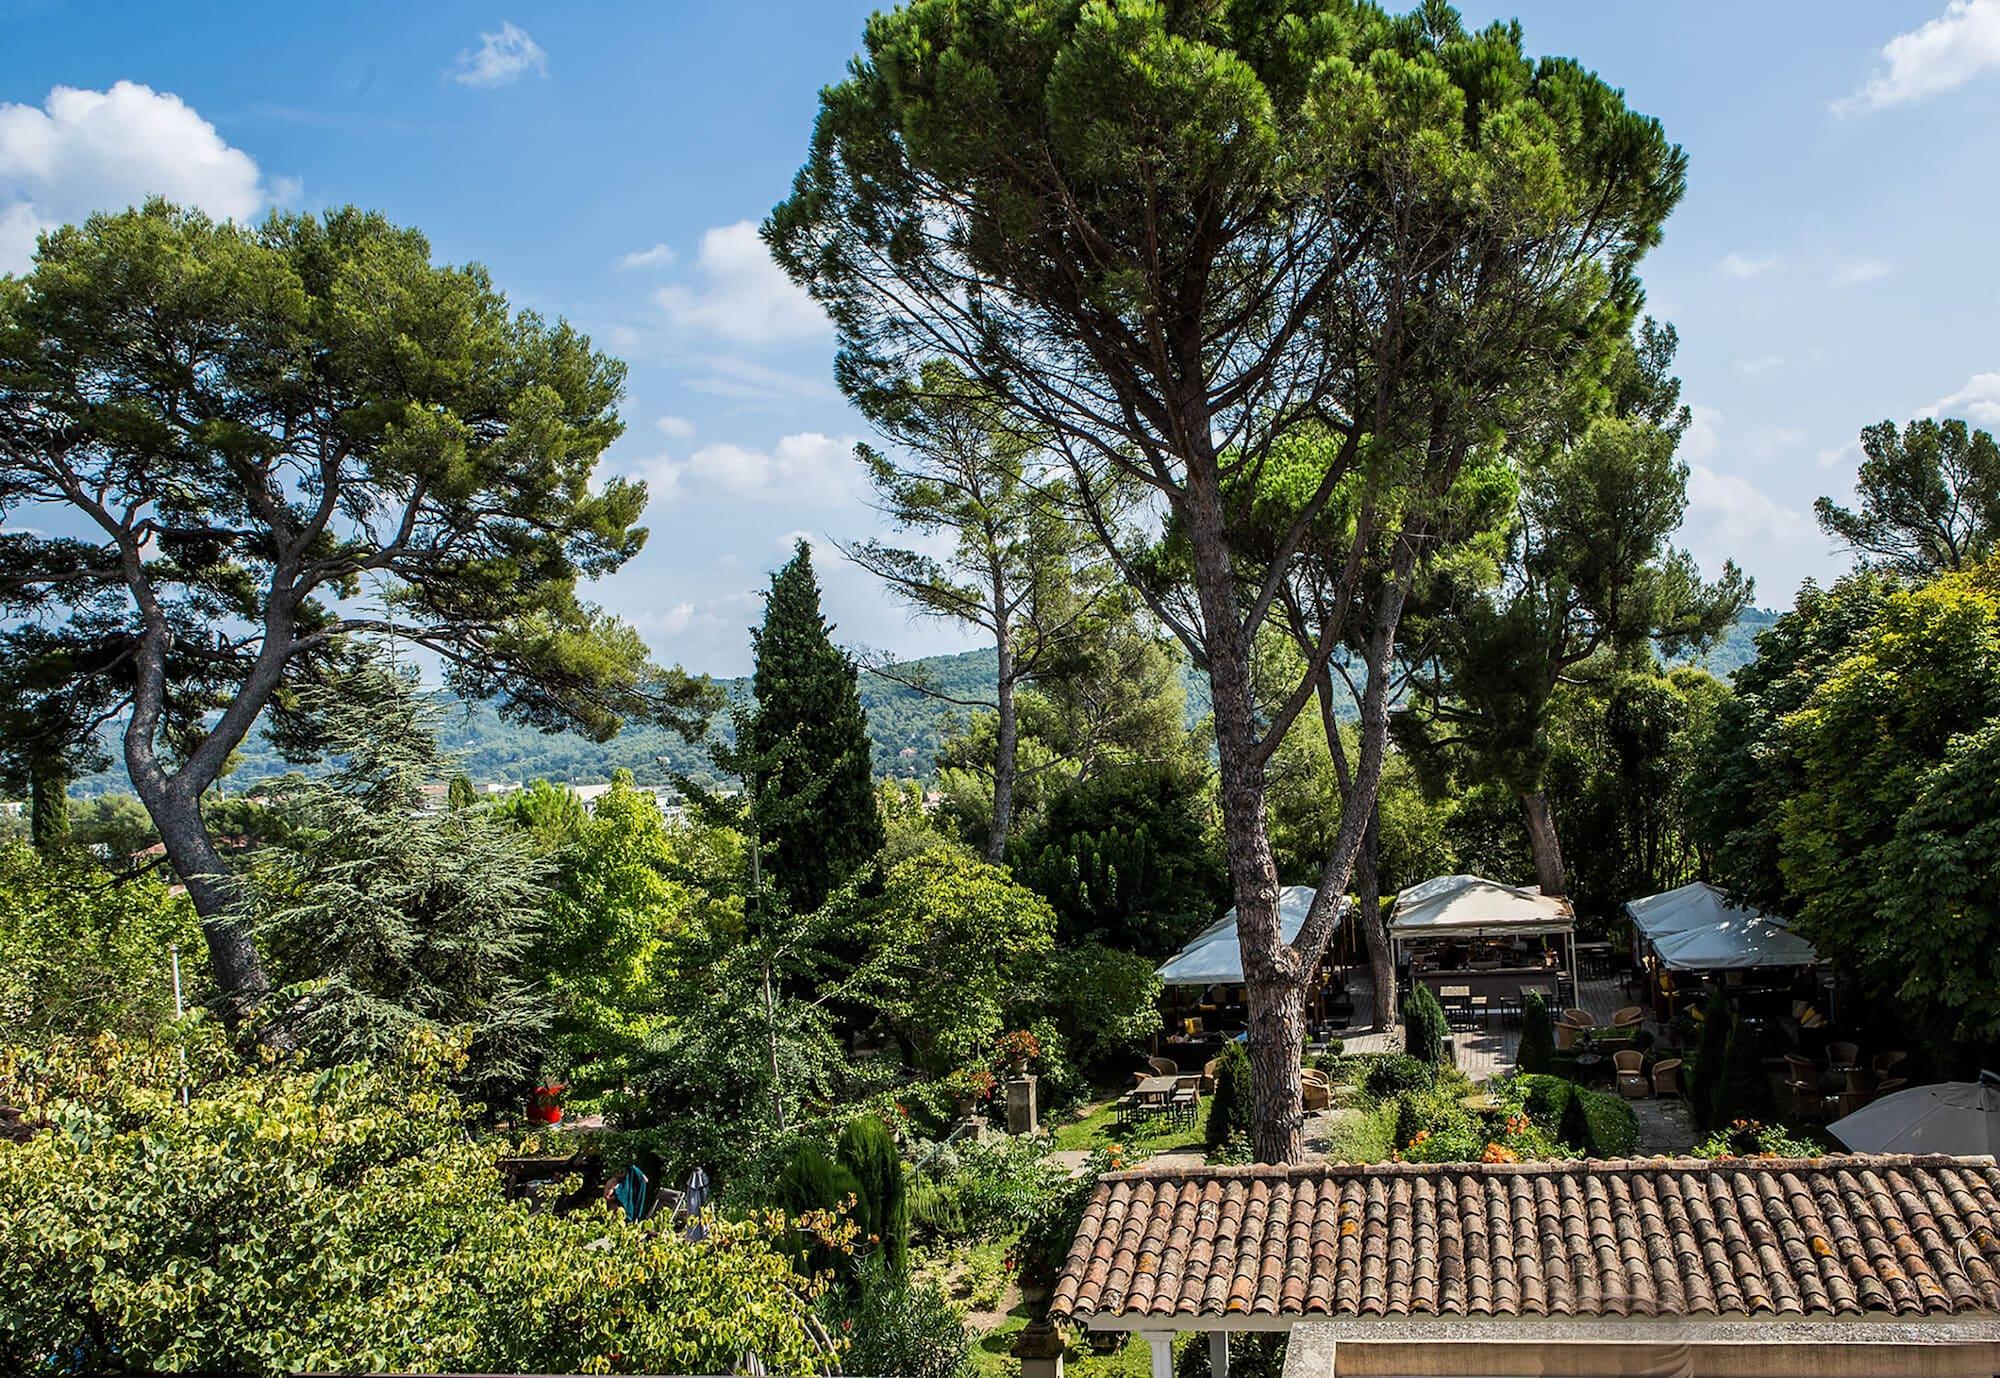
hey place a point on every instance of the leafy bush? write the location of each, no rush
(1104, 1002)
(980, 1188)
(901, 1327)
(1231, 1109)
(1755, 1139)
(82, 953)
(1044, 1243)
(883, 1211)
(1611, 1128)
(1391, 1074)
(344, 1219)
(1424, 1026)
(1538, 1045)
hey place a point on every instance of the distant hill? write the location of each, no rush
(905, 725)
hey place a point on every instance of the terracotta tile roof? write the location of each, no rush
(1837, 1236)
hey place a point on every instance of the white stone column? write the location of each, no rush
(1218, 1353)
(1161, 1342)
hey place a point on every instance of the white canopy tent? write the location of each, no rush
(1699, 928)
(1213, 957)
(1474, 907)
(1957, 1117)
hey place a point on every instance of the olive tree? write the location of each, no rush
(1166, 235)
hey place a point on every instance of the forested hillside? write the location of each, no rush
(905, 726)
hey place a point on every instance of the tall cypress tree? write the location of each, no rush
(808, 746)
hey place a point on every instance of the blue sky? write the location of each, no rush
(1833, 263)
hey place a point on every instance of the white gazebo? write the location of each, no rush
(1214, 956)
(1699, 928)
(1474, 907)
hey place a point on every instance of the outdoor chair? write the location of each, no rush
(1572, 1023)
(1847, 1053)
(1628, 1018)
(1889, 1085)
(1667, 1077)
(1315, 1092)
(1630, 1067)
(1208, 1071)
(1807, 1099)
(1185, 1099)
(1163, 1066)
(1885, 1063)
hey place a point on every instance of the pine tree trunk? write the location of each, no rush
(48, 804)
(1374, 924)
(1274, 990)
(1543, 842)
(1007, 745)
(232, 956)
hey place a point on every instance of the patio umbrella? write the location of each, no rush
(1957, 1117)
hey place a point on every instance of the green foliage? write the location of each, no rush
(383, 920)
(882, 1214)
(83, 953)
(1391, 1074)
(806, 746)
(1754, 1139)
(290, 1221)
(1538, 1047)
(1573, 1127)
(902, 1327)
(1890, 750)
(1232, 1105)
(1124, 858)
(1930, 499)
(1608, 1128)
(1424, 1030)
(1103, 1002)
(1744, 1090)
(954, 946)
(984, 1188)
(1046, 1238)
(1705, 1079)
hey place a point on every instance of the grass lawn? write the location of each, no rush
(1098, 1129)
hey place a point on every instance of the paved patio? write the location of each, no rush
(1492, 1050)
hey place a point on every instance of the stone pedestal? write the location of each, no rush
(1021, 1112)
(1039, 1347)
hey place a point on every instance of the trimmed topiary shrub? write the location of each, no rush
(1424, 1026)
(1710, 1050)
(1538, 1036)
(868, 1151)
(1232, 1105)
(1394, 1073)
(1743, 1091)
(1609, 1128)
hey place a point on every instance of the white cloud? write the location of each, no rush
(1741, 266)
(804, 468)
(1845, 455)
(83, 151)
(1766, 440)
(1763, 363)
(1978, 401)
(1735, 517)
(743, 380)
(742, 295)
(659, 256)
(1703, 435)
(500, 59)
(1947, 52)
(679, 427)
(1857, 271)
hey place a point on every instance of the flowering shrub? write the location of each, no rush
(1755, 1139)
(1017, 1048)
